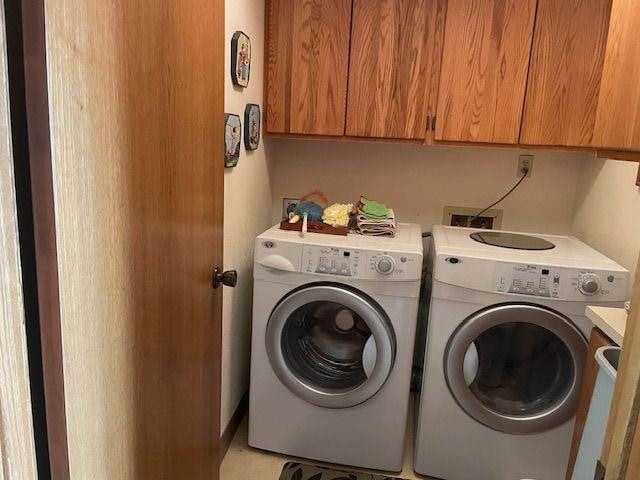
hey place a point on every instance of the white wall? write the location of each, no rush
(247, 209)
(417, 181)
(607, 209)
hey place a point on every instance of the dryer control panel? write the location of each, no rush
(358, 263)
(558, 283)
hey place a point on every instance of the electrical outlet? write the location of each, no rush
(460, 216)
(525, 161)
(288, 205)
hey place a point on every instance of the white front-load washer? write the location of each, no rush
(505, 350)
(334, 321)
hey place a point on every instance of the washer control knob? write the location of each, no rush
(385, 265)
(589, 284)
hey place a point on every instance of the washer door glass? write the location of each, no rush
(516, 367)
(330, 345)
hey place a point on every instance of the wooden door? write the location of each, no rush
(618, 115)
(484, 69)
(621, 446)
(127, 157)
(564, 76)
(394, 67)
(17, 449)
(307, 66)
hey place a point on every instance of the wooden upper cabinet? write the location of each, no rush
(564, 76)
(307, 66)
(618, 114)
(394, 67)
(484, 70)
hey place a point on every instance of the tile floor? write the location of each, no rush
(245, 463)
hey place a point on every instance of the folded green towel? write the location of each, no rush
(373, 209)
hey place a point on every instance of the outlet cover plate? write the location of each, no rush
(288, 204)
(525, 161)
(454, 216)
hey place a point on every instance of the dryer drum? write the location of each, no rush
(330, 345)
(516, 367)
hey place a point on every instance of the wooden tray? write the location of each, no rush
(314, 227)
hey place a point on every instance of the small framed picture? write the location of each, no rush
(240, 59)
(252, 126)
(232, 134)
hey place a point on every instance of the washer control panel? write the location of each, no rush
(385, 265)
(558, 283)
(357, 263)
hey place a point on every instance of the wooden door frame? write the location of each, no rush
(622, 434)
(18, 424)
(37, 107)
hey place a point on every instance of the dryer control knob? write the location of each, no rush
(385, 265)
(589, 284)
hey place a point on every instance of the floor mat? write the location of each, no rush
(303, 471)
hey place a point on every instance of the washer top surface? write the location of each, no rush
(516, 241)
(408, 239)
(567, 251)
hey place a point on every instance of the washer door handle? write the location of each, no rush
(470, 364)
(369, 356)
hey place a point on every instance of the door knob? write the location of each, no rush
(228, 278)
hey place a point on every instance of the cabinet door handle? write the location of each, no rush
(428, 122)
(433, 123)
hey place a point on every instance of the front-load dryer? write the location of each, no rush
(505, 351)
(334, 322)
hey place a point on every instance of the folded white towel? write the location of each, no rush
(385, 227)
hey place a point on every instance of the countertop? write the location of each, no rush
(612, 321)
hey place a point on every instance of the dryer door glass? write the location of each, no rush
(324, 344)
(331, 345)
(516, 367)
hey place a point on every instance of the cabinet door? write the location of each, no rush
(596, 340)
(394, 67)
(618, 115)
(484, 69)
(307, 66)
(564, 75)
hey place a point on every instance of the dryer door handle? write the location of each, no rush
(470, 364)
(369, 356)
(278, 262)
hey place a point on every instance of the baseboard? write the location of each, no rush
(232, 427)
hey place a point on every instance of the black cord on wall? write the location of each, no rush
(525, 171)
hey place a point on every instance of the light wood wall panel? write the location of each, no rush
(394, 67)
(484, 70)
(619, 447)
(566, 68)
(136, 107)
(307, 66)
(17, 450)
(618, 115)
